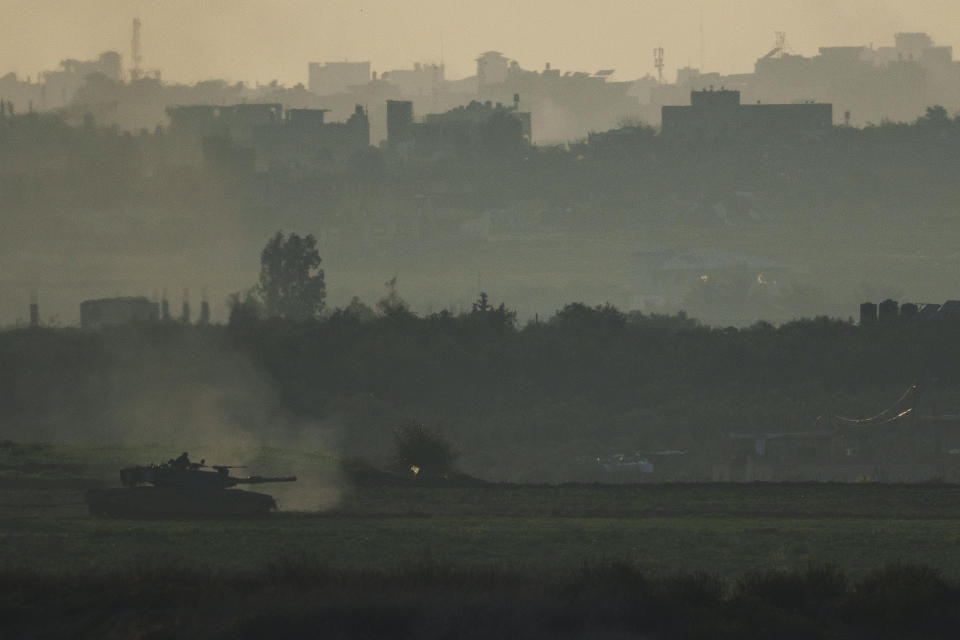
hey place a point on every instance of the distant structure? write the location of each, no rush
(871, 83)
(60, 86)
(423, 79)
(718, 115)
(779, 47)
(110, 312)
(135, 55)
(34, 310)
(889, 311)
(329, 78)
(304, 137)
(658, 63)
(399, 122)
(235, 121)
(478, 126)
(493, 68)
(565, 104)
(185, 309)
(204, 319)
(260, 135)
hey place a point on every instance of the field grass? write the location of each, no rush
(725, 529)
(344, 560)
(725, 546)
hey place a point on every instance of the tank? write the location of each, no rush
(180, 487)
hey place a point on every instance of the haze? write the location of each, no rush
(260, 42)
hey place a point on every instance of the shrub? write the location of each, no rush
(422, 451)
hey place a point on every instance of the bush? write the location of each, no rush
(422, 451)
(903, 598)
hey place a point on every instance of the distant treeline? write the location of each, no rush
(518, 402)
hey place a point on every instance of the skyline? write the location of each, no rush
(245, 41)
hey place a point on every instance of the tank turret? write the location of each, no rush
(182, 487)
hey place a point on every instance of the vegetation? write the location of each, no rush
(860, 213)
(403, 560)
(422, 451)
(521, 402)
(433, 600)
(291, 280)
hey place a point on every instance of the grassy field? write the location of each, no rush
(726, 529)
(342, 560)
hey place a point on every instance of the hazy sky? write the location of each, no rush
(266, 39)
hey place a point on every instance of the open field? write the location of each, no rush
(671, 560)
(725, 529)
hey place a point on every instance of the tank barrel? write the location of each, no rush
(262, 480)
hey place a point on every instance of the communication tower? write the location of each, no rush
(779, 46)
(781, 40)
(658, 63)
(135, 56)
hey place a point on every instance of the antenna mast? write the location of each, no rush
(701, 41)
(658, 63)
(780, 44)
(136, 58)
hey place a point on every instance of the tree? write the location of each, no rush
(935, 117)
(422, 451)
(392, 305)
(245, 309)
(359, 311)
(499, 317)
(291, 280)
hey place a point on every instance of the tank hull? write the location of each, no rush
(147, 502)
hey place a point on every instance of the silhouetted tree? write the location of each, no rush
(499, 317)
(245, 309)
(392, 305)
(422, 451)
(936, 117)
(291, 280)
(482, 305)
(359, 310)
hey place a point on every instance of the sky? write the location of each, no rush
(263, 40)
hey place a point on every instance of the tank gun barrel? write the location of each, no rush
(263, 480)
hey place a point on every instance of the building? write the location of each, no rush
(112, 312)
(492, 68)
(304, 138)
(259, 136)
(718, 115)
(60, 86)
(865, 84)
(238, 122)
(423, 79)
(329, 78)
(478, 126)
(566, 104)
(399, 122)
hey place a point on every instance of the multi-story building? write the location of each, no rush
(718, 115)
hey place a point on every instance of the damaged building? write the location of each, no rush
(476, 127)
(267, 134)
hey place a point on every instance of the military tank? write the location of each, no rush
(180, 487)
